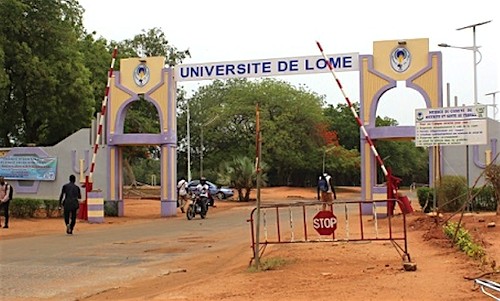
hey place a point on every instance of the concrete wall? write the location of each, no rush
(68, 153)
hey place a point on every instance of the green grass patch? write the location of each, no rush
(464, 241)
(269, 264)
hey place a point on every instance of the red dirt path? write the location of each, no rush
(352, 271)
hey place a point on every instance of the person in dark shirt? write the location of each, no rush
(70, 194)
(5, 200)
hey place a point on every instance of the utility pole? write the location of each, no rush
(188, 144)
(258, 158)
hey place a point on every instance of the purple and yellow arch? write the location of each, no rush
(392, 61)
(146, 77)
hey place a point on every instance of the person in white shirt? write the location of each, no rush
(204, 191)
(330, 194)
(182, 194)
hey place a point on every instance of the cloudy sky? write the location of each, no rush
(225, 30)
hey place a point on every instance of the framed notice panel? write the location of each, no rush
(451, 126)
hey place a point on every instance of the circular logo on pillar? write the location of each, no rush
(400, 59)
(141, 74)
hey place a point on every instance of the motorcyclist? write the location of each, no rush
(204, 192)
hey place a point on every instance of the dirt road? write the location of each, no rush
(145, 257)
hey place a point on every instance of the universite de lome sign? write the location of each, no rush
(268, 67)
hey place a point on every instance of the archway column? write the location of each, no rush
(168, 167)
(115, 180)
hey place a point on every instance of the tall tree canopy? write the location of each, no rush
(47, 94)
(225, 112)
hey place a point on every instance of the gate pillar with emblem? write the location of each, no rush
(143, 79)
(392, 61)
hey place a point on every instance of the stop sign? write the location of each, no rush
(325, 222)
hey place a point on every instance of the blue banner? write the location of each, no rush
(28, 168)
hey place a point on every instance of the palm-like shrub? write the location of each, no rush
(240, 173)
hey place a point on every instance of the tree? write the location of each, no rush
(142, 117)
(240, 173)
(405, 160)
(97, 53)
(152, 42)
(342, 121)
(408, 162)
(289, 118)
(4, 83)
(493, 177)
(47, 94)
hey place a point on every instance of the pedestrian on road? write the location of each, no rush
(326, 190)
(69, 198)
(5, 194)
(182, 195)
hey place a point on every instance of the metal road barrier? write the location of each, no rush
(346, 221)
(489, 288)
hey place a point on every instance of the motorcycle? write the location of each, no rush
(198, 206)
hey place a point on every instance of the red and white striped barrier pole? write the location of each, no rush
(358, 120)
(392, 182)
(88, 179)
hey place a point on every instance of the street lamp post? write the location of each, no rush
(188, 117)
(494, 103)
(475, 50)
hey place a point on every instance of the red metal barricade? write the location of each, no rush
(299, 222)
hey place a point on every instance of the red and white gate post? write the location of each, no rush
(83, 211)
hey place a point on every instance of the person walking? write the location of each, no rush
(5, 193)
(69, 198)
(182, 195)
(326, 190)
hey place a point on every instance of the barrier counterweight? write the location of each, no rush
(95, 205)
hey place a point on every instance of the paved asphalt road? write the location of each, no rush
(63, 267)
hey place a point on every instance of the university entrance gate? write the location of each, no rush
(147, 78)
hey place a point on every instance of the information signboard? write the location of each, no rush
(451, 126)
(28, 168)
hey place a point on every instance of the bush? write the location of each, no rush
(451, 193)
(484, 200)
(110, 208)
(24, 208)
(51, 208)
(425, 197)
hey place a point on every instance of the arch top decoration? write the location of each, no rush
(148, 78)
